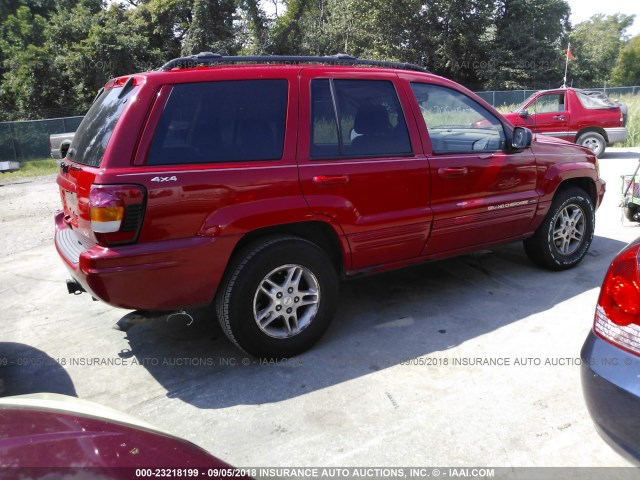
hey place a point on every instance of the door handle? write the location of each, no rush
(452, 172)
(330, 180)
(558, 117)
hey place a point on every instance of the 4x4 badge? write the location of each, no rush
(165, 179)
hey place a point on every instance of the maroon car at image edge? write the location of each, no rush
(254, 184)
(47, 436)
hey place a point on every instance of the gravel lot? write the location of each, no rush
(399, 380)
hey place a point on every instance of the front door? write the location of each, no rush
(480, 192)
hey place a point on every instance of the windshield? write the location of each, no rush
(93, 134)
(522, 105)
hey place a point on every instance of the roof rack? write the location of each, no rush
(209, 58)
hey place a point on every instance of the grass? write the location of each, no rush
(633, 120)
(32, 168)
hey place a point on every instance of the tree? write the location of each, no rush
(25, 65)
(528, 44)
(596, 44)
(454, 38)
(211, 28)
(253, 32)
(627, 69)
(288, 33)
(164, 23)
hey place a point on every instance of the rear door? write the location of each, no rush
(480, 193)
(361, 163)
(218, 155)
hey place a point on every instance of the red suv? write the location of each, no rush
(255, 183)
(588, 118)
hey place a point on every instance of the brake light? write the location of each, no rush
(121, 82)
(617, 317)
(116, 212)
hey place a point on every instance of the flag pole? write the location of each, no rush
(566, 66)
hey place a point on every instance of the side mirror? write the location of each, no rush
(522, 138)
(523, 113)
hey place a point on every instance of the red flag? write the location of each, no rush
(569, 54)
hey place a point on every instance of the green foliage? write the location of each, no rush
(211, 28)
(55, 55)
(596, 44)
(627, 69)
(527, 45)
(633, 120)
(455, 38)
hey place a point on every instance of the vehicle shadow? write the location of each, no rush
(24, 369)
(382, 321)
(618, 155)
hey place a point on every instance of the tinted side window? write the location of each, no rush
(94, 132)
(455, 122)
(221, 121)
(355, 118)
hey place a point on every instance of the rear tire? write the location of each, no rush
(564, 237)
(278, 297)
(594, 142)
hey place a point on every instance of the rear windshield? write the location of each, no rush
(93, 134)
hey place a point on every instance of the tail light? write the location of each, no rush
(116, 213)
(617, 318)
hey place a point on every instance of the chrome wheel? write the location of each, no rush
(286, 301)
(593, 144)
(568, 229)
(593, 141)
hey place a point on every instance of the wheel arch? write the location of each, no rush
(584, 183)
(599, 130)
(317, 232)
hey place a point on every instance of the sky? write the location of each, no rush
(583, 9)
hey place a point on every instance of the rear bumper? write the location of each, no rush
(612, 393)
(163, 275)
(616, 135)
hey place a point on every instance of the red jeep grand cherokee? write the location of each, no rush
(255, 183)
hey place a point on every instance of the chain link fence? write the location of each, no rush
(29, 140)
(516, 97)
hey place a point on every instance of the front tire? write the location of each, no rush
(278, 298)
(565, 235)
(594, 142)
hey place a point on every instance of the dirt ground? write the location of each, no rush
(395, 382)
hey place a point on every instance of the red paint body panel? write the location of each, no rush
(382, 213)
(50, 435)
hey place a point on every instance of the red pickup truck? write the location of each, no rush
(588, 118)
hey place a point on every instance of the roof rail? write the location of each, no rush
(209, 58)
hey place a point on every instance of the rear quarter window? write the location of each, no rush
(594, 100)
(93, 134)
(222, 121)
